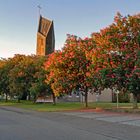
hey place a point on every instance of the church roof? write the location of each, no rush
(44, 25)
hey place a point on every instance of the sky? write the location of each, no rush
(19, 20)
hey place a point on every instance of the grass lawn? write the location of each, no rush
(68, 106)
(43, 106)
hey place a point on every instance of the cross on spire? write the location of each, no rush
(39, 9)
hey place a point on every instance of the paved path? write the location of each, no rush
(120, 118)
(19, 124)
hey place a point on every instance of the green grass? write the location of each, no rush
(51, 107)
(66, 106)
(43, 106)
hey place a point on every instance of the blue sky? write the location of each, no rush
(19, 20)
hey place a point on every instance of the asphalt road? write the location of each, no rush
(19, 124)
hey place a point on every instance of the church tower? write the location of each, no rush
(45, 37)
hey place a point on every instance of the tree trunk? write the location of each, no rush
(113, 95)
(35, 97)
(18, 99)
(54, 99)
(135, 105)
(86, 97)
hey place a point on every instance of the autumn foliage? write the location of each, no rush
(108, 59)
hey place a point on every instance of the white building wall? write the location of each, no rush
(106, 96)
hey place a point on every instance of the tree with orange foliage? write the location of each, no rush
(70, 68)
(119, 52)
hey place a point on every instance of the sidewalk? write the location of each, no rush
(121, 118)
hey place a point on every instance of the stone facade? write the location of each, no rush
(45, 37)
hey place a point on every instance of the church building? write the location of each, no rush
(45, 37)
